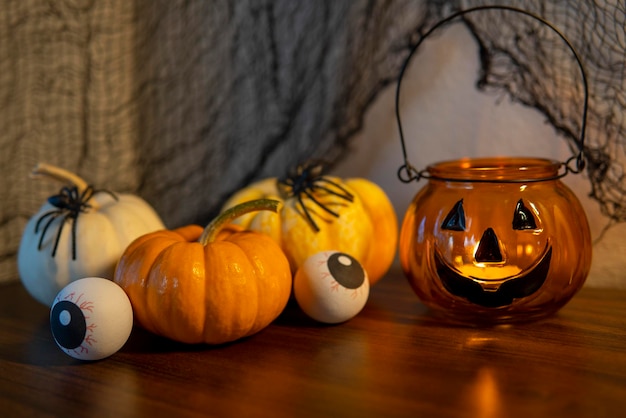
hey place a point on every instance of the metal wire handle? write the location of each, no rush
(407, 173)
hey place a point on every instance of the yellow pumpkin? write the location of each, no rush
(210, 286)
(325, 213)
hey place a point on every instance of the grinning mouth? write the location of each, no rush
(521, 285)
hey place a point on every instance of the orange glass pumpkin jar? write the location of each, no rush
(495, 240)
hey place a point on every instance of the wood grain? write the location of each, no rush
(393, 359)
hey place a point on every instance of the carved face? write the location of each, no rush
(491, 250)
(490, 262)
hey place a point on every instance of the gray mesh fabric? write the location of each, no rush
(184, 102)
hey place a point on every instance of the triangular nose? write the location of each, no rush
(488, 250)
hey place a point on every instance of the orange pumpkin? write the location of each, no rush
(210, 286)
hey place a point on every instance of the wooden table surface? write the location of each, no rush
(393, 359)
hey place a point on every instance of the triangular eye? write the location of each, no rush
(455, 220)
(523, 217)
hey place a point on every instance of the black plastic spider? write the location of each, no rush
(306, 180)
(69, 204)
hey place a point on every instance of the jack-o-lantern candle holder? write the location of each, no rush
(495, 240)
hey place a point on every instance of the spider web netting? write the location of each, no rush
(184, 102)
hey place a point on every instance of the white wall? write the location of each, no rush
(445, 117)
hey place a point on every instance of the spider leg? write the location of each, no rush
(71, 193)
(330, 191)
(110, 193)
(42, 217)
(84, 198)
(56, 241)
(305, 180)
(74, 222)
(308, 216)
(54, 214)
(346, 194)
(320, 204)
(86, 194)
(285, 188)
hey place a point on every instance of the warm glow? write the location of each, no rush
(478, 342)
(465, 163)
(484, 395)
(530, 249)
(489, 272)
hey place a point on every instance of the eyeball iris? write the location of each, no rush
(331, 287)
(346, 270)
(68, 324)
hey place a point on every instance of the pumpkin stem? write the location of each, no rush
(62, 175)
(59, 174)
(212, 229)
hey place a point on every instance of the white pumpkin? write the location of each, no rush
(105, 225)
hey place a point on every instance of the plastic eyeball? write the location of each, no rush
(91, 318)
(331, 287)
